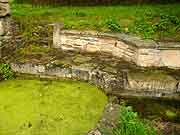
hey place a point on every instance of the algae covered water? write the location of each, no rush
(34, 107)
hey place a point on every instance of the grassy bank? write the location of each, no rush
(160, 22)
(32, 107)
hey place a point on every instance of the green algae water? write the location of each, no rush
(34, 107)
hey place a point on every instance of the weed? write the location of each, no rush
(5, 72)
(130, 124)
(157, 26)
(113, 25)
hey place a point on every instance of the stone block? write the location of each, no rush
(2, 32)
(178, 87)
(4, 1)
(152, 82)
(4, 9)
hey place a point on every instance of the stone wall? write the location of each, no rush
(145, 53)
(4, 23)
(162, 56)
(120, 84)
(93, 42)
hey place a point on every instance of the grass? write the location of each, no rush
(145, 20)
(33, 107)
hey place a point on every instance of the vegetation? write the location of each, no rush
(130, 124)
(92, 2)
(5, 72)
(163, 110)
(159, 22)
(33, 107)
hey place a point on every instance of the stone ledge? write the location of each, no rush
(4, 8)
(4, 1)
(132, 40)
(145, 53)
(113, 84)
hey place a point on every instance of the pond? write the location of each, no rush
(41, 107)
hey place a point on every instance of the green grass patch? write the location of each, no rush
(160, 22)
(33, 107)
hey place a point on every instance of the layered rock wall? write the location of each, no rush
(121, 84)
(145, 53)
(160, 57)
(93, 42)
(4, 23)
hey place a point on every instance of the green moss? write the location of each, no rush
(171, 115)
(63, 63)
(151, 75)
(39, 49)
(31, 50)
(79, 59)
(32, 107)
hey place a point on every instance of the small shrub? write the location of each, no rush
(5, 72)
(113, 25)
(130, 124)
(156, 26)
(144, 28)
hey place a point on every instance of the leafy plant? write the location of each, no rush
(113, 25)
(5, 72)
(130, 124)
(156, 26)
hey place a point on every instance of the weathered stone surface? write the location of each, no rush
(178, 87)
(28, 68)
(119, 84)
(4, 9)
(145, 53)
(1, 28)
(92, 43)
(4, 28)
(108, 121)
(94, 132)
(155, 57)
(152, 82)
(4, 1)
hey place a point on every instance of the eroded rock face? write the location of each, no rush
(159, 57)
(94, 132)
(4, 12)
(178, 87)
(152, 81)
(120, 84)
(89, 42)
(4, 1)
(4, 8)
(1, 28)
(108, 121)
(145, 53)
